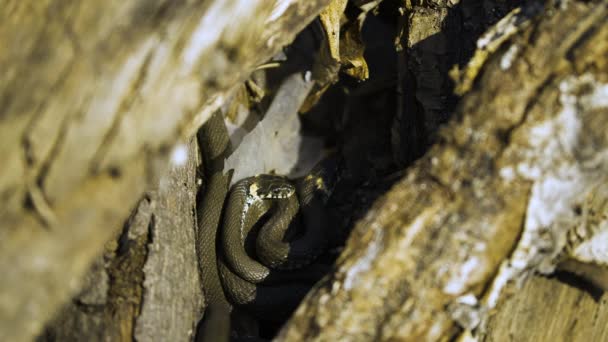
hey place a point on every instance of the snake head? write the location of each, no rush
(272, 187)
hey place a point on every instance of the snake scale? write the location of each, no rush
(252, 238)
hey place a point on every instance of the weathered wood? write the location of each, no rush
(146, 286)
(566, 307)
(549, 310)
(482, 208)
(93, 97)
(172, 300)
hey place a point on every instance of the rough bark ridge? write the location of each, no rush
(486, 205)
(146, 285)
(93, 96)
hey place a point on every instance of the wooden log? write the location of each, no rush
(94, 98)
(483, 208)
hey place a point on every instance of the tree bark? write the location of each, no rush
(93, 99)
(488, 205)
(570, 306)
(97, 98)
(146, 285)
(549, 310)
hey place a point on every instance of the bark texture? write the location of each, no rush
(487, 205)
(93, 98)
(569, 306)
(146, 285)
(548, 310)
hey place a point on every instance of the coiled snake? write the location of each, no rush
(260, 220)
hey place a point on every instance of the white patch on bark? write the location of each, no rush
(594, 250)
(507, 59)
(179, 155)
(458, 282)
(506, 27)
(218, 20)
(280, 6)
(587, 238)
(415, 227)
(465, 311)
(507, 173)
(365, 262)
(559, 182)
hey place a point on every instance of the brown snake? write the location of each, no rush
(260, 274)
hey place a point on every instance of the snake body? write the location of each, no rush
(215, 144)
(286, 220)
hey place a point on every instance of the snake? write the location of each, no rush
(257, 241)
